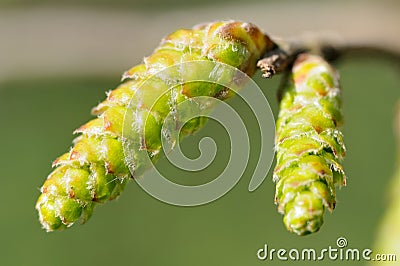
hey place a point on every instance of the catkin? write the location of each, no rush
(95, 170)
(309, 145)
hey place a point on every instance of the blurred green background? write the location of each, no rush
(56, 62)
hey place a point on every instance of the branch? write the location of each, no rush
(277, 60)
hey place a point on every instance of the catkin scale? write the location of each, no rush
(309, 145)
(95, 170)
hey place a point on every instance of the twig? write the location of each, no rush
(277, 60)
(274, 62)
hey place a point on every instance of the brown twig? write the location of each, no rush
(280, 58)
(274, 62)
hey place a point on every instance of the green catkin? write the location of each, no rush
(309, 145)
(95, 169)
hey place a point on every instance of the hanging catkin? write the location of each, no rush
(309, 145)
(95, 170)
